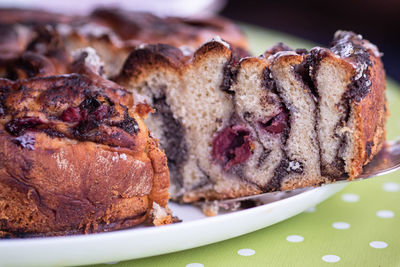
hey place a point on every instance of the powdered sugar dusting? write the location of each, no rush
(244, 58)
(63, 29)
(293, 166)
(92, 60)
(62, 163)
(373, 49)
(122, 156)
(142, 46)
(219, 40)
(281, 54)
(117, 156)
(186, 50)
(96, 30)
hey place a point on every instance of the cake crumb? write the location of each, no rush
(161, 216)
(210, 208)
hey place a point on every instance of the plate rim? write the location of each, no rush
(129, 237)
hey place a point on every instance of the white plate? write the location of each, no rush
(195, 230)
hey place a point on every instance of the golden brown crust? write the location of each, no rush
(365, 95)
(291, 184)
(59, 175)
(146, 59)
(67, 187)
(28, 65)
(212, 194)
(370, 114)
(159, 192)
(150, 57)
(213, 47)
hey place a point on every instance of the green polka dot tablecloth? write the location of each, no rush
(359, 226)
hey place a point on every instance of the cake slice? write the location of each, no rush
(290, 123)
(349, 82)
(234, 126)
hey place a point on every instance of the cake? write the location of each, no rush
(113, 33)
(103, 118)
(75, 154)
(234, 126)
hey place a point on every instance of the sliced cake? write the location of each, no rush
(234, 126)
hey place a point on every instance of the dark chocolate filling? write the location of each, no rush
(53, 133)
(18, 126)
(307, 71)
(175, 145)
(368, 148)
(128, 124)
(204, 180)
(359, 88)
(3, 96)
(301, 51)
(278, 47)
(336, 169)
(302, 71)
(231, 69)
(89, 115)
(280, 172)
(279, 124)
(229, 74)
(264, 155)
(267, 81)
(350, 45)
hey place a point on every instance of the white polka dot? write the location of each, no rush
(385, 213)
(350, 197)
(295, 238)
(331, 258)
(378, 244)
(312, 209)
(341, 225)
(246, 252)
(112, 262)
(195, 265)
(391, 187)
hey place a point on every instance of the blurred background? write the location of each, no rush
(315, 20)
